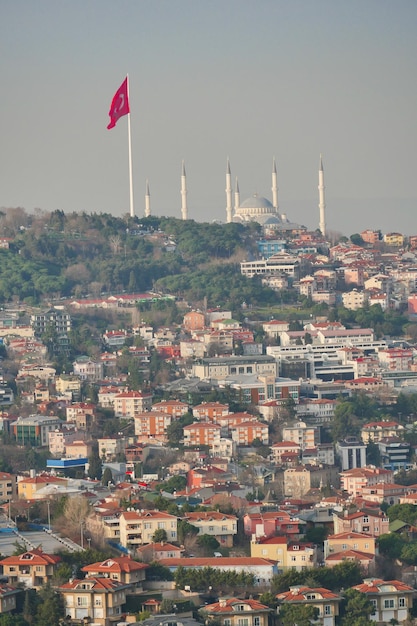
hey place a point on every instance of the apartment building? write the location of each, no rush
(131, 403)
(138, 528)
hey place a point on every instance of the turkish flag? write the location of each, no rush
(119, 105)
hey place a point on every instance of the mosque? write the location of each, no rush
(254, 209)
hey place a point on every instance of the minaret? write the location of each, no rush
(184, 210)
(322, 203)
(147, 200)
(229, 208)
(274, 186)
(237, 196)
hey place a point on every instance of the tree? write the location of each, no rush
(184, 530)
(107, 477)
(159, 535)
(356, 609)
(51, 607)
(300, 614)
(95, 467)
(208, 543)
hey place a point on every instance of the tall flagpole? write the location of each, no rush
(132, 208)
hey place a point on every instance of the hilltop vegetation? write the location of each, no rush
(58, 255)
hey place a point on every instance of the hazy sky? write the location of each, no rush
(248, 79)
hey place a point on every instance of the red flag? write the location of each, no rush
(119, 105)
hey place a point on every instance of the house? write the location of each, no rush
(375, 431)
(137, 528)
(355, 480)
(98, 600)
(365, 560)
(262, 525)
(326, 602)
(82, 414)
(236, 612)
(287, 555)
(34, 568)
(7, 486)
(219, 525)
(373, 523)
(391, 599)
(282, 448)
(299, 432)
(8, 598)
(27, 487)
(88, 369)
(350, 541)
(157, 551)
(123, 569)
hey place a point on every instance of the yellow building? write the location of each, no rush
(361, 542)
(67, 384)
(28, 487)
(97, 600)
(394, 239)
(294, 555)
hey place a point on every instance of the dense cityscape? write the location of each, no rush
(205, 420)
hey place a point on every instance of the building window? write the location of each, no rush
(82, 600)
(256, 621)
(401, 603)
(327, 609)
(389, 604)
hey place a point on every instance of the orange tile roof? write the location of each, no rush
(119, 564)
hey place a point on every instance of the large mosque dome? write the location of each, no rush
(255, 209)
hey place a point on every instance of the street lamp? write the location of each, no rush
(48, 504)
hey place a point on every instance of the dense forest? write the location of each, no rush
(58, 255)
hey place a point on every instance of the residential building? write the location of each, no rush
(270, 523)
(375, 431)
(194, 320)
(287, 555)
(132, 403)
(395, 453)
(137, 528)
(352, 540)
(8, 598)
(111, 447)
(373, 523)
(152, 424)
(157, 551)
(175, 408)
(299, 432)
(28, 487)
(281, 449)
(87, 369)
(297, 481)
(82, 414)
(394, 239)
(355, 480)
(354, 300)
(123, 569)
(57, 319)
(392, 599)
(78, 449)
(274, 328)
(244, 434)
(33, 568)
(210, 411)
(326, 602)
(98, 600)
(219, 525)
(7, 486)
(202, 434)
(68, 385)
(60, 437)
(236, 612)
